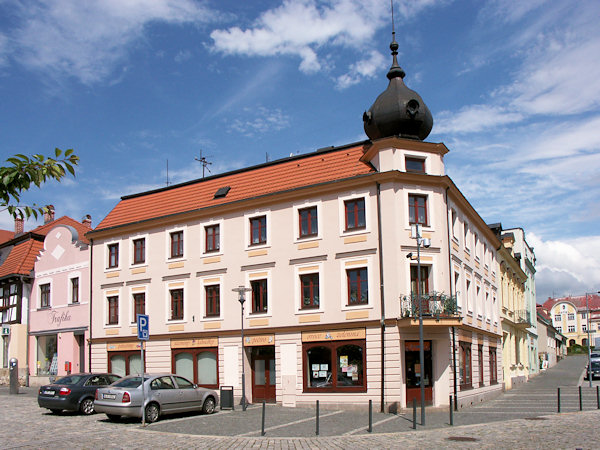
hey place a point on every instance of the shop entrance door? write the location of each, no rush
(413, 371)
(263, 374)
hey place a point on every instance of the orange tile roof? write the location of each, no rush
(278, 176)
(6, 235)
(64, 220)
(21, 258)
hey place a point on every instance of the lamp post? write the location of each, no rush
(587, 307)
(241, 290)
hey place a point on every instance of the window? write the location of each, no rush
(309, 288)
(177, 244)
(126, 363)
(416, 165)
(258, 230)
(336, 366)
(213, 304)
(465, 365)
(308, 221)
(259, 296)
(417, 209)
(493, 366)
(584, 327)
(557, 318)
(113, 310)
(139, 251)
(176, 304)
(571, 316)
(355, 214)
(211, 238)
(45, 295)
(466, 235)
(584, 315)
(454, 218)
(113, 256)
(75, 290)
(424, 288)
(559, 329)
(139, 305)
(358, 286)
(571, 329)
(198, 365)
(480, 358)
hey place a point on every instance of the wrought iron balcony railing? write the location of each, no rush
(522, 316)
(433, 304)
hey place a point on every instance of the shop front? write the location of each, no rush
(413, 369)
(124, 358)
(197, 360)
(262, 359)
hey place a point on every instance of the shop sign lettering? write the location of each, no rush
(57, 318)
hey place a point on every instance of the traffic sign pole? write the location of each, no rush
(143, 331)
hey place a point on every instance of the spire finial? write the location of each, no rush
(395, 70)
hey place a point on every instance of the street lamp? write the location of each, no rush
(241, 290)
(416, 234)
(587, 307)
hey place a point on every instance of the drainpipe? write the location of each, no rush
(381, 295)
(28, 329)
(90, 300)
(450, 273)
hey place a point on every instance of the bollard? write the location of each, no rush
(558, 397)
(317, 430)
(370, 429)
(414, 413)
(14, 375)
(451, 412)
(598, 396)
(580, 402)
(262, 429)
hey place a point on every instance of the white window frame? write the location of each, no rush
(138, 290)
(356, 263)
(414, 155)
(308, 269)
(168, 233)
(365, 194)
(211, 281)
(40, 283)
(113, 293)
(428, 194)
(221, 224)
(70, 287)
(132, 250)
(296, 215)
(247, 237)
(259, 275)
(171, 286)
(107, 255)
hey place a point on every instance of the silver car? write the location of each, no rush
(164, 394)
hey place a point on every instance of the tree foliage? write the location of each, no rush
(21, 172)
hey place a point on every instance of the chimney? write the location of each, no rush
(49, 214)
(87, 221)
(19, 226)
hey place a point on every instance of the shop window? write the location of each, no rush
(309, 287)
(493, 366)
(465, 365)
(337, 366)
(480, 360)
(45, 295)
(125, 363)
(199, 365)
(213, 302)
(259, 296)
(358, 286)
(47, 355)
(355, 214)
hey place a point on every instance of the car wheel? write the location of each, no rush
(152, 413)
(56, 411)
(209, 406)
(113, 417)
(87, 406)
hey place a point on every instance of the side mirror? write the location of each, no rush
(195, 386)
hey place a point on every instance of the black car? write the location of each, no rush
(74, 392)
(595, 370)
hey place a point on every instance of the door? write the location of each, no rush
(263, 378)
(81, 345)
(413, 372)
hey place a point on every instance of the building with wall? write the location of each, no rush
(323, 244)
(570, 317)
(59, 311)
(552, 345)
(525, 255)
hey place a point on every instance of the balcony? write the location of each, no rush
(434, 305)
(522, 318)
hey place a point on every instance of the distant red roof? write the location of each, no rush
(64, 220)
(578, 301)
(6, 235)
(292, 173)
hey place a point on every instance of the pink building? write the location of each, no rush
(59, 311)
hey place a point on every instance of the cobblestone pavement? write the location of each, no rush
(490, 425)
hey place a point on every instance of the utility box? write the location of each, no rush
(13, 366)
(226, 399)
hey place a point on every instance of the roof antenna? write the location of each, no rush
(395, 70)
(167, 172)
(202, 160)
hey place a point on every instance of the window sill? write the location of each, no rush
(44, 308)
(138, 265)
(112, 325)
(214, 318)
(309, 310)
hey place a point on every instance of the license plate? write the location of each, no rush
(109, 396)
(48, 392)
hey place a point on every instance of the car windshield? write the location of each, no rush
(71, 379)
(596, 365)
(132, 382)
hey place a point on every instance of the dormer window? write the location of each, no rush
(415, 165)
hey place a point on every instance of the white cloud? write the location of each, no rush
(262, 121)
(365, 68)
(86, 40)
(474, 119)
(183, 55)
(304, 28)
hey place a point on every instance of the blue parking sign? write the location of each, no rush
(143, 328)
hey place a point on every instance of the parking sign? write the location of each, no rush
(143, 329)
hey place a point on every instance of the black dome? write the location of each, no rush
(398, 111)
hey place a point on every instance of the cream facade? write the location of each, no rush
(329, 313)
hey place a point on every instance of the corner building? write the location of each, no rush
(322, 243)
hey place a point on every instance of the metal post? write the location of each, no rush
(451, 412)
(143, 389)
(414, 413)
(262, 429)
(317, 424)
(598, 396)
(421, 345)
(370, 429)
(241, 290)
(558, 397)
(589, 346)
(580, 401)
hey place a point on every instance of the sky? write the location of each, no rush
(141, 89)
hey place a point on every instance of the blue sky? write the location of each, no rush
(514, 89)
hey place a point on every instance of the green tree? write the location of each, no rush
(21, 172)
